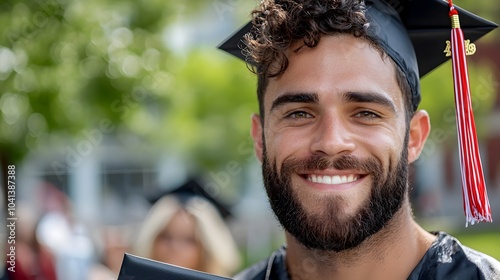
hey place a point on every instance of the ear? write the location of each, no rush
(257, 136)
(420, 127)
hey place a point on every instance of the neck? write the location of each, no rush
(391, 253)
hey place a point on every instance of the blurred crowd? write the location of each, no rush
(184, 229)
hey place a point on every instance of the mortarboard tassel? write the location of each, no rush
(475, 198)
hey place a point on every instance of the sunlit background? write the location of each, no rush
(110, 102)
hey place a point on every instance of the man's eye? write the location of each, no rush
(367, 115)
(299, 115)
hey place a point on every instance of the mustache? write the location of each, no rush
(321, 162)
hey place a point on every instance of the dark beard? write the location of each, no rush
(327, 231)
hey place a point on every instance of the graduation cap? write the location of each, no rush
(190, 189)
(414, 34)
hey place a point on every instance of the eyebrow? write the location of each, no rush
(302, 97)
(369, 97)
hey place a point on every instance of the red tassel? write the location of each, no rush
(475, 198)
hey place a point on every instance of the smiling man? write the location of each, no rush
(338, 91)
(331, 143)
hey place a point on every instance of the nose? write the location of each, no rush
(333, 137)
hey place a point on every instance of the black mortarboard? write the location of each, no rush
(188, 190)
(413, 33)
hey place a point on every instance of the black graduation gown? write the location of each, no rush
(445, 259)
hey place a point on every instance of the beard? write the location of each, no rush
(332, 229)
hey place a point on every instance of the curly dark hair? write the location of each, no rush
(279, 23)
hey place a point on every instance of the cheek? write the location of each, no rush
(159, 249)
(384, 145)
(284, 144)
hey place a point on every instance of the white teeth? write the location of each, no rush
(327, 180)
(332, 180)
(350, 178)
(336, 180)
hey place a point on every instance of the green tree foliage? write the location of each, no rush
(67, 63)
(212, 108)
(69, 66)
(438, 96)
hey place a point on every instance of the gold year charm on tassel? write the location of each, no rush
(470, 48)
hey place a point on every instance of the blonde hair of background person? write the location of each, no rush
(220, 254)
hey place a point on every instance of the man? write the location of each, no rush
(338, 91)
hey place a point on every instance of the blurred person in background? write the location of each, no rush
(185, 229)
(114, 242)
(66, 236)
(34, 261)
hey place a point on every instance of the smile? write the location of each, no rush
(332, 180)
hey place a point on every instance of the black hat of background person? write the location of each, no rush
(190, 189)
(412, 32)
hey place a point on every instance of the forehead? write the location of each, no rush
(181, 221)
(338, 63)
